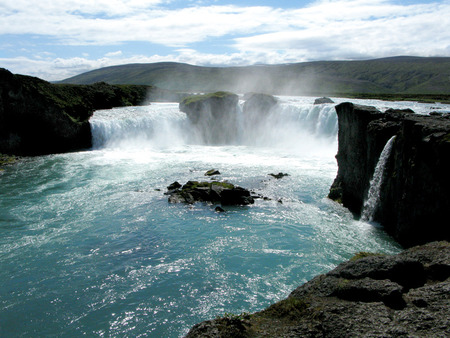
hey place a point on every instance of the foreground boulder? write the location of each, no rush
(414, 196)
(214, 116)
(377, 296)
(37, 117)
(213, 192)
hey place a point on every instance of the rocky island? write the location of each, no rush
(213, 192)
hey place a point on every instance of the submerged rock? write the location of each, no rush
(279, 175)
(378, 295)
(175, 185)
(212, 172)
(214, 192)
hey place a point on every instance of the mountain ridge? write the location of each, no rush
(392, 75)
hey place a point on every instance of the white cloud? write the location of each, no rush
(362, 30)
(162, 26)
(324, 30)
(114, 54)
(51, 8)
(73, 22)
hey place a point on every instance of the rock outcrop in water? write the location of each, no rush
(214, 116)
(376, 295)
(323, 100)
(213, 192)
(414, 196)
(37, 117)
(258, 104)
(256, 110)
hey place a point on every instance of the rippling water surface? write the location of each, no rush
(90, 246)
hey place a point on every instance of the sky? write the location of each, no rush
(57, 39)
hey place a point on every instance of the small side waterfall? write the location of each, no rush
(373, 197)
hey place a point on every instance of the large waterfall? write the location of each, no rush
(373, 196)
(294, 125)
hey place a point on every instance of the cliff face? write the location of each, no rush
(213, 116)
(37, 117)
(376, 296)
(414, 197)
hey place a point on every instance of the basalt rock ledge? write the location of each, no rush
(414, 196)
(38, 117)
(404, 295)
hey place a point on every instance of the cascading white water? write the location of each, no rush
(373, 196)
(293, 125)
(156, 125)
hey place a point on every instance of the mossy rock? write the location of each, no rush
(287, 308)
(202, 97)
(7, 159)
(363, 254)
(222, 192)
(212, 172)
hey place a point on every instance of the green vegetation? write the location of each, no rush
(396, 76)
(191, 185)
(197, 98)
(290, 308)
(446, 138)
(232, 316)
(224, 185)
(78, 101)
(7, 160)
(363, 254)
(342, 283)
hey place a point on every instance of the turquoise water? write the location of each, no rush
(90, 246)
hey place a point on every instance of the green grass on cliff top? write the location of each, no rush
(196, 98)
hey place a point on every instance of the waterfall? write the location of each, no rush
(291, 124)
(373, 196)
(159, 124)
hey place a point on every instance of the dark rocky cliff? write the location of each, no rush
(404, 295)
(37, 117)
(414, 198)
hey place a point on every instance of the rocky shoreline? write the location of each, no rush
(370, 295)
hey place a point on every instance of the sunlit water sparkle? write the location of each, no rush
(90, 246)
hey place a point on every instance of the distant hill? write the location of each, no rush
(395, 75)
